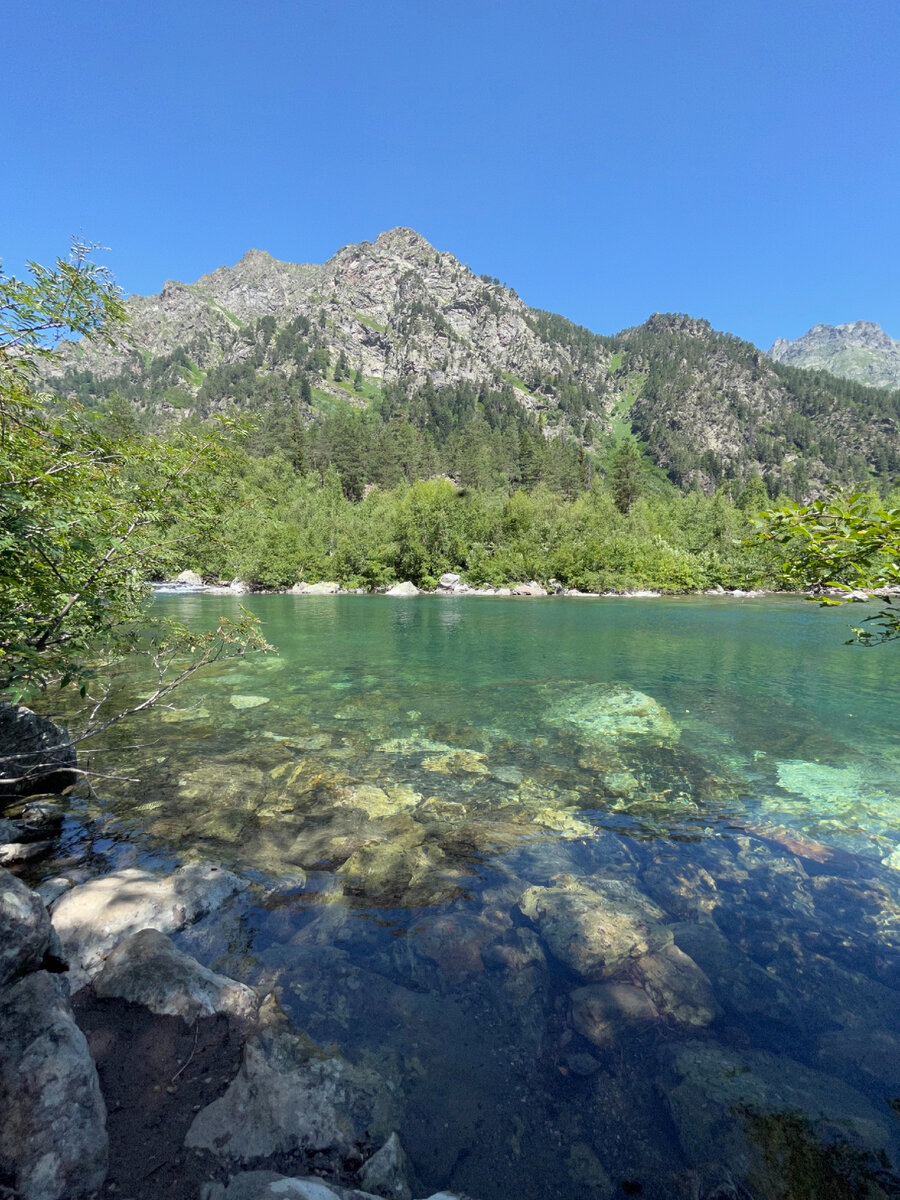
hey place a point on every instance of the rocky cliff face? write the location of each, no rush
(859, 350)
(397, 309)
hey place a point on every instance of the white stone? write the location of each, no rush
(95, 917)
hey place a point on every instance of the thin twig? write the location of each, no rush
(191, 1055)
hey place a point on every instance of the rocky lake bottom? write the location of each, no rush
(588, 898)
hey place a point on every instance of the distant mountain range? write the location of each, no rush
(409, 334)
(860, 351)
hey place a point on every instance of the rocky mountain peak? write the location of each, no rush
(679, 323)
(857, 350)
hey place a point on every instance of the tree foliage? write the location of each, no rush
(847, 544)
(87, 507)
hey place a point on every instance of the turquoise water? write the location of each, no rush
(430, 794)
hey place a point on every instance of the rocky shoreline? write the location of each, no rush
(452, 584)
(449, 584)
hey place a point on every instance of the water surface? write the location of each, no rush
(414, 784)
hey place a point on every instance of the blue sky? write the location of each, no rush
(737, 161)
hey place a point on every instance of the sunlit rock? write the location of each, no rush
(95, 917)
(403, 589)
(595, 927)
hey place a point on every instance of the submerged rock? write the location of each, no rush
(787, 1130)
(95, 917)
(595, 928)
(677, 986)
(291, 1095)
(613, 711)
(599, 1012)
(53, 1142)
(147, 969)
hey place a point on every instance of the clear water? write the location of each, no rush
(403, 771)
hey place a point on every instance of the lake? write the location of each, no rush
(598, 885)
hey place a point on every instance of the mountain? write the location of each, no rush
(860, 351)
(395, 344)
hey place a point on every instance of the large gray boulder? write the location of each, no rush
(403, 589)
(35, 754)
(95, 917)
(147, 969)
(291, 1095)
(53, 1141)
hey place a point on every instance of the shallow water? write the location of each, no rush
(414, 784)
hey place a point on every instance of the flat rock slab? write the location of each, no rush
(291, 1095)
(53, 1141)
(147, 969)
(95, 917)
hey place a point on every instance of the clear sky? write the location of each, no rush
(738, 160)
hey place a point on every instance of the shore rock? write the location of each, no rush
(291, 1095)
(35, 754)
(147, 969)
(93, 918)
(268, 1185)
(386, 1171)
(597, 928)
(53, 1140)
(24, 929)
(191, 578)
(529, 589)
(403, 589)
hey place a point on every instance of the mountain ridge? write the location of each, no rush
(857, 350)
(401, 330)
